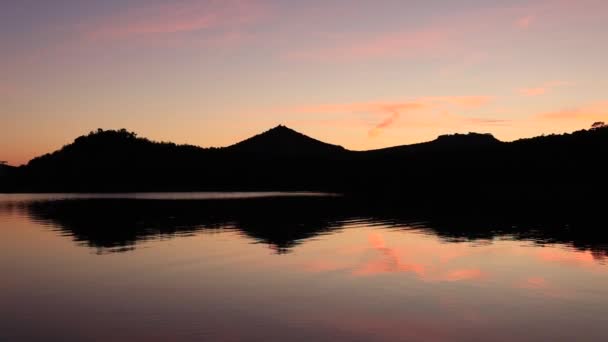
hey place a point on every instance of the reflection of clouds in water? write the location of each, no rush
(378, 258)
(392, 260)
(433, 260)
(117, 225)
(571, 257)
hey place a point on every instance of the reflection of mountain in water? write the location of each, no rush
(283, 223)
(116, 224)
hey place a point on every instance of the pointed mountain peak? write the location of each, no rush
(286, 141)
(281, 127)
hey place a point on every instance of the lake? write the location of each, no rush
(291, 266)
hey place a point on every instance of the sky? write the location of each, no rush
(361, 74)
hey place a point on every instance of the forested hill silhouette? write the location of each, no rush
(447, 169)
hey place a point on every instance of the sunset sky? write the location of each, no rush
(362, 74)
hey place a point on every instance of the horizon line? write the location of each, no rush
(281, 125)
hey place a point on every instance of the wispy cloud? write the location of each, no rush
(385, 123)
(542, 89)
(419, 111)
(390, 44)
(453, 36)
(174, 18)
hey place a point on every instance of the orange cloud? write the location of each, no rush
(543, 89)
(175, 18)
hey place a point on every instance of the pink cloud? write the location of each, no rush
(419, 103)
(395, 112)
(460, 37)
(525, 22)
(385, 123)
(415, 109)
(391, 44)
(174, 18)
(390, 263)
(543, 89)
(392, 110)
(451, 35)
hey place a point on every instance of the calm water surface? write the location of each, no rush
(191, 267)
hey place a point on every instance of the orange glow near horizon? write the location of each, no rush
(378, 74)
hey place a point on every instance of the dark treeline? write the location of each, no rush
(557, 168)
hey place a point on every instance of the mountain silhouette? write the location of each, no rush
(282, 140)
(555, 168)
(447, 142)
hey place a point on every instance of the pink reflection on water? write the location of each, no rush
(568, 257)
(390, 260)
(426, 262)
